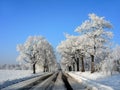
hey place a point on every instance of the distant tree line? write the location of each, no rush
(14, 67)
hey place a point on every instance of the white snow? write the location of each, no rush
(25, 83)
(112, 81)
(9, 77)
(92, 76)
(99, 77)
(13, 74)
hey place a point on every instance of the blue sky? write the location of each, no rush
(49, 18)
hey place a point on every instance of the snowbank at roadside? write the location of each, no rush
(90, 83)
(100, 77)
(112, 81)
(92, 76)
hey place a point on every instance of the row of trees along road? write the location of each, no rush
(37, 51)
(90, 46)
(90, 49)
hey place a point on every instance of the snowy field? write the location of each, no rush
(8, 77)
(13, 74)
(112, 81)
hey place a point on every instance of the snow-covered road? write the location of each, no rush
(57, 81)
(49, 81)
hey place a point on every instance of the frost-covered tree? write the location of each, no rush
(92, 45)
(36, 50)
(115, 55)
(80, 50)
(72, 51)
(65, 48)
(96, 33)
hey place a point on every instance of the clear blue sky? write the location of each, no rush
(49, 18)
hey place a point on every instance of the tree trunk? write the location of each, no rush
(34, 69)
(82, 69)
(92, 64)
(47, 68)
(78, 64)
(73, 66)
(44, 69)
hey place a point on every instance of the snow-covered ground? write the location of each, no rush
(112, 81)
(93, 76)
(8, 77)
